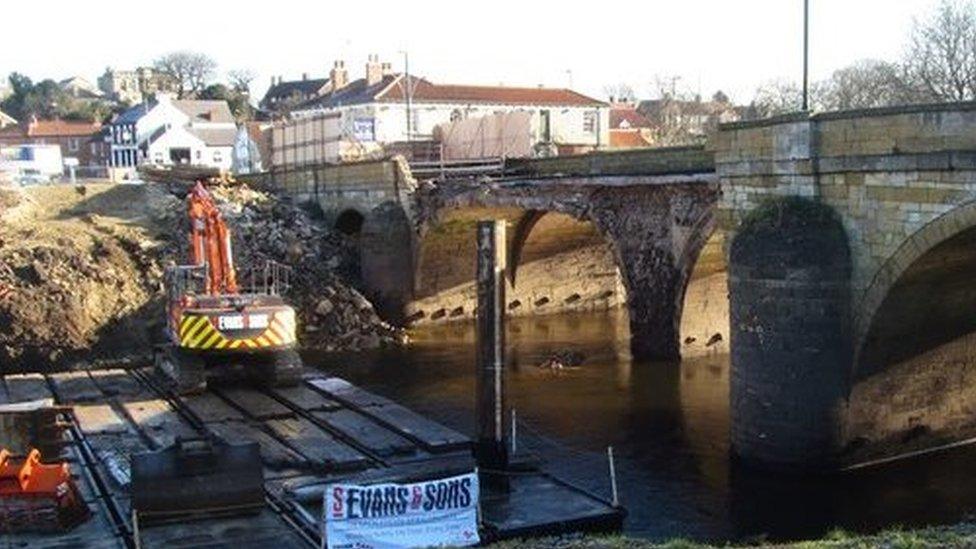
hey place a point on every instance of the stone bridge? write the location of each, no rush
(850, 240)
(851, 276)
(586, 233)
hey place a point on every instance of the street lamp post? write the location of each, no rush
(806, 55)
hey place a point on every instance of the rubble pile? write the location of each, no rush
(333, 315)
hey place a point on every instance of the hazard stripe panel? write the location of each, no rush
(198, 332)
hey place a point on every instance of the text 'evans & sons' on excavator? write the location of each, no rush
(213, 328)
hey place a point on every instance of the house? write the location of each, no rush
(629, 129)
(134, 86)
(376, 111)
(6, 120)
(77, 139)
(675, 120)
(170, 131)
(282, 96)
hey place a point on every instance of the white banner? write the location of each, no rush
(423, 514)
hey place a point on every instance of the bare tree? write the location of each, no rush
(191, 71)
(240, 80)
(941, 55)
(777, 97)
(620, 92)
(865, 84)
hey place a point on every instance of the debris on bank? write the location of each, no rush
(333, 315)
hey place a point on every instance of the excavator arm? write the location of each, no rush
(210, 242)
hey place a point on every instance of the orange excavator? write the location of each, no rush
(213, 326)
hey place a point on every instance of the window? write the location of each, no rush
(157, 157)
(73, 144)
(199, 154)
(93, 147)
(218, 157)
(590, 121)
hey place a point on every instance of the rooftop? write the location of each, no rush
(392, 89)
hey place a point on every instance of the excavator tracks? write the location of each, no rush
(320, 430)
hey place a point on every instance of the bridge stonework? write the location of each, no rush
(656, 225)
(900, 185)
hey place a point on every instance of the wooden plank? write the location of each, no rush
(256, 404)
(211, 408)
(27, 387)
(432, 435)
(306, 398)
(71, 387)
(429, 434)
(367, 432)
(346, 392)
(274, 454)
(317, 445)
(117, 382)
(158, 422)
(98, 419)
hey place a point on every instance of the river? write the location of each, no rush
(668, 424)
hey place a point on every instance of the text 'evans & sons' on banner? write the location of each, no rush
(422, 514)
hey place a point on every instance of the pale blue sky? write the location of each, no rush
(730, 44)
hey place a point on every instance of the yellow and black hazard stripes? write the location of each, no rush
(199, 332)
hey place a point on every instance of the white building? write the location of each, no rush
(169, 132)
(377, 111)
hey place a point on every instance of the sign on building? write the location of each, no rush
(441, 512)
(364, 129)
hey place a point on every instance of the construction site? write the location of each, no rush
(153, 394)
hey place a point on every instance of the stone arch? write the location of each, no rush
(916, 246)
(444, 276)
(520, 233)
(549, 249)
(349, 222)
(914, 367)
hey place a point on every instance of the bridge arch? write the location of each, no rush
(349, 222)
(557, 263)
(933, 234)
(915, 365)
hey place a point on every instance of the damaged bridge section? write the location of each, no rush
(588, 232)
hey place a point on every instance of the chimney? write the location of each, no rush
(304, 76)
(338, 75)
(374, 70)
(387, 69)
(273, 81)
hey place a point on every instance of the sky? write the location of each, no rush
(732, 45)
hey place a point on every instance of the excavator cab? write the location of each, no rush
(214, 326)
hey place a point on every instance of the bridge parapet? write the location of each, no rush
(662, 161)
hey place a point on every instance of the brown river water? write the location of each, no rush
(668, 424)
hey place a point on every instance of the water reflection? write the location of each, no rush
(668, 424)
